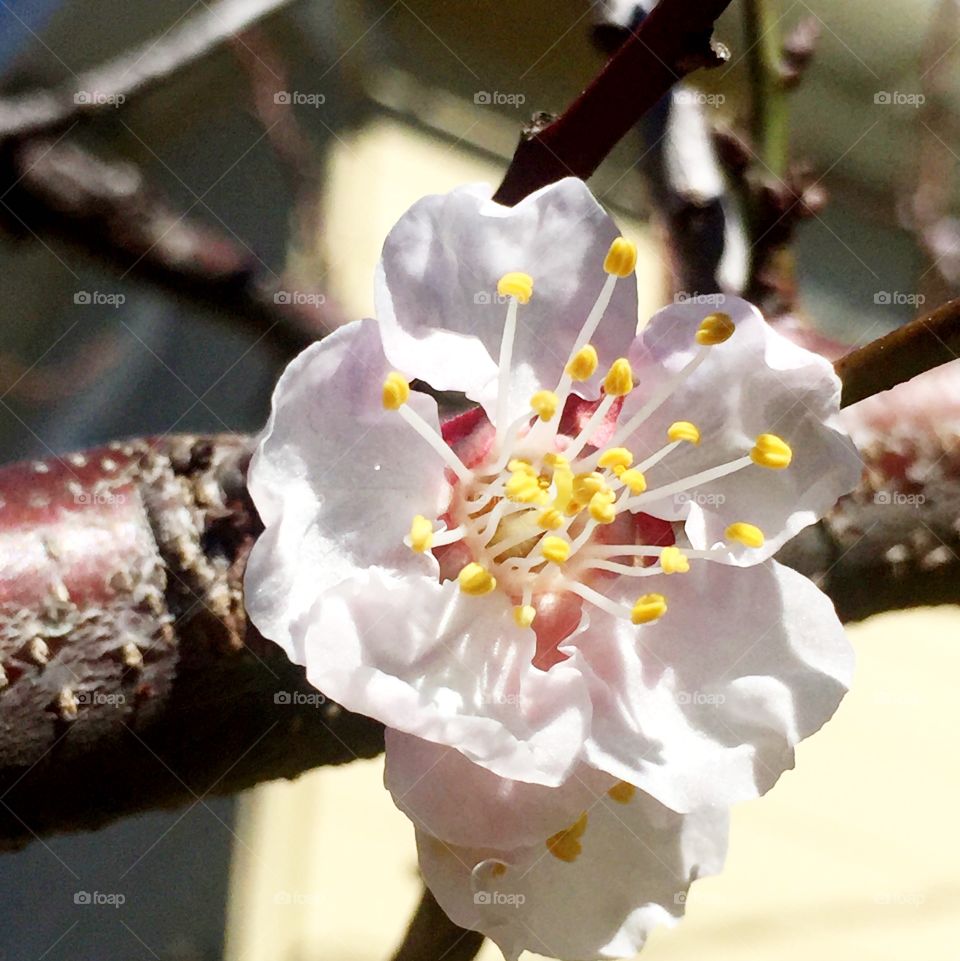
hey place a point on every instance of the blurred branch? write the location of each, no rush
(111, 84)
(432, 936)
(673, 41)
(922, 344)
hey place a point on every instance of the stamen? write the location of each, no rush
(583, 364)
(555, 549)
(476, 580)
(619, 379)
(772, 452)
(674, 561)
(396, 391)
(634, 480)
(704, 477)
(649, 607)
(544, 404)
(598, 600)
(551, 519)
(617, 459)
(601, 507)
(746, 534)
(436, 442)
(683, 430)
(524, 614)
(715, 329)
(519, 287)
(516, 284)
(421, 534)
(621, 259)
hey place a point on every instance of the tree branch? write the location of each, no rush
(432, 936)
(673, 41)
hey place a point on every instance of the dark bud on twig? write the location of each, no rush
(798, 50)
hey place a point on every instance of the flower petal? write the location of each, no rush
(436, 289)
(336, 479)
(452, 798)
(704, 706)
(756, 382)
(429, 660)
(636, 862)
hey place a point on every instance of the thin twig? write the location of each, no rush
(919, 346)
(432, 936)
(672, 42)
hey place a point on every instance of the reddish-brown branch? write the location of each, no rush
(925, 343)
(673, 41)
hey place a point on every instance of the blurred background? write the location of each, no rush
(856, 854)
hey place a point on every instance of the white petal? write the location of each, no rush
(336, 479)
(436, 294)
(704, 706)
(426, 659)
(452, 798)
(757, 382)
(636, 864)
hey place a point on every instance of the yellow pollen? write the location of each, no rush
(551, 519)
(555, 460)
(586, 485)
(421, 534)
(674, 561)
(524, 614)
(519, 465)
(715, 329)
(616, 459)
(516, 284)
(583, 364)
(544, 404)
(771, 451)
(619, 379)
(635, 480)
(745, 534)
(621, 258)
(524, 488)
(650, 607)
(555, 549)
(476, 581)
(684, 430)
(622, 792)
(601, 507)
(396, 391)
(565, 844)
(573, 508)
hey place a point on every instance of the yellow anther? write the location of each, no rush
(583, 364)
(586, 485)
(635, 480)
(771, 451)
(421, 534)
(622, 792)
(519, 465)
(544, 404)
(396, 391)
(573, 508)
(565, 845)
(650, 607)
(619, 379)
(516, 284)
(523, 488)
(617, 459)
(621, 258)
(524, 614)
(746, 534)
(684, 430)
(601, 507)
(674, 561)
(476, 580)
(555, 460)
(715, 329)
(551, 519)
(555, 549)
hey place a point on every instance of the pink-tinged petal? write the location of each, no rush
(705, 706)
(426, 659)
(466, 805)
(757, 382)
(436, 289)
(337, 480)
(634, 868)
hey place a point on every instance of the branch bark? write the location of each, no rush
(673, 41)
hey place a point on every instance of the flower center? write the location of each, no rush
(545, 511)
